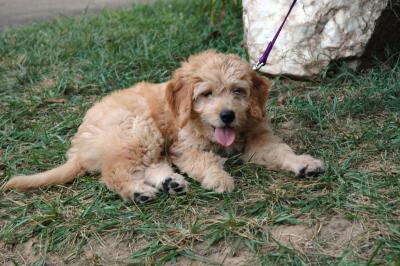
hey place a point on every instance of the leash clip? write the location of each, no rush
(263, 59)
(258, 66)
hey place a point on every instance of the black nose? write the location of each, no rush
(227, 116)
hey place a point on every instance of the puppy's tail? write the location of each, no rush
(59, 175)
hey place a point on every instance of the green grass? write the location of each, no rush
(350, 120)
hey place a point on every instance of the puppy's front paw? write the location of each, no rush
(219, 183)
(308, 166)
(175, 184)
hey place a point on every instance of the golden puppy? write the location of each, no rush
(214, 105)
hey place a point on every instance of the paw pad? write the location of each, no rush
(302, 172)
(172, 186)
(306, 171)
(140, 198)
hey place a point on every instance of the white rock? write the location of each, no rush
(316, 32)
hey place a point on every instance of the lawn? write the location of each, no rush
(52, 72)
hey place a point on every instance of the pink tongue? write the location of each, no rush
(225, 135)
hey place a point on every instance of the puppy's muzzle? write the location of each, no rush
(227, 116)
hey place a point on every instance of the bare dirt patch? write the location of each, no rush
(25, 254)
(296, 236)
(339, 234)
(98, 251)
(109, 251)
(331, 237)
(221, 254)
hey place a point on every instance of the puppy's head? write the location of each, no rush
(220, 93)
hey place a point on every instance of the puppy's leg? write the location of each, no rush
(127, 179)
(135, 144)
(162, 176)
(205, 167)
(266, 149)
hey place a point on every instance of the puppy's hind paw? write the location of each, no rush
(309, 166)
(146, 194)
(219, 184)
(175, 184)
(141, 198)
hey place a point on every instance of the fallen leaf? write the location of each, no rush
(281, 99)
(60, 100)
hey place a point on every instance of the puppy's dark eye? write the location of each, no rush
(238, 91)
(207, 93)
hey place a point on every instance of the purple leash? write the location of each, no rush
(263, 59)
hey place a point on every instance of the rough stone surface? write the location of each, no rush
(317, 32)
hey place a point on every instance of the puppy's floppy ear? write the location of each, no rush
(258, 96)
(179, 98)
